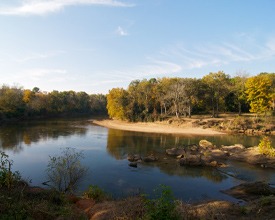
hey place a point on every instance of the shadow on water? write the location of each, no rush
(12, 136)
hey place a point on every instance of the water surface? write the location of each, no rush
(29, 144)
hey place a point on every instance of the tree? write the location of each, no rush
(176, 94)
(117, 103)
(11, 102)
(258, 91)
(238, 90)
(217, 89)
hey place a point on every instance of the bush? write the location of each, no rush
(66, 171)
(163, 206)
(7, 177)
(96, 193)
(265, 147)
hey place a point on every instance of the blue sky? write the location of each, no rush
(96, 45)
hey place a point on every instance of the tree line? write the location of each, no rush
(19, 103)
(153, 99)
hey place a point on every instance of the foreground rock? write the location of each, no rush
(251, 191)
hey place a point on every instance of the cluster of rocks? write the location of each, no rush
(256, 131)
(134, 159)
(207, 154)
(204, 154)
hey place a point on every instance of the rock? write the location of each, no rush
(206, 159)
(150, 158)
(193, 147)
(180, 156)
(250, 191)
(133, 164)
(134, 158)
(206, 144)
(234, 148)
(175, 151)
(191, 160)
(213, 163)
(219, 154)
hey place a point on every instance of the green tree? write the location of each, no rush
(217, 89)
(237, 95)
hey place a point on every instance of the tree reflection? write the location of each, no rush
(13, 136)
(121, 143)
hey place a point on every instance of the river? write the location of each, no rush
(29, 145)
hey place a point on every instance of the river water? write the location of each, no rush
(29, 145)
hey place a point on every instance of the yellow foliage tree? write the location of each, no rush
(117, 103)
(258, 91)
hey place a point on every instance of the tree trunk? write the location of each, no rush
(240, 108)
(189, 111)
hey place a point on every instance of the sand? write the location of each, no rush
(157, 127)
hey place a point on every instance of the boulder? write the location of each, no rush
(150, 158)
(175, 151)
(133, 164)
(134, 158)
(219, 154)
(233, 148)
(191, 160)
(206, 144)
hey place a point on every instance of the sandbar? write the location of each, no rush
(157, 127)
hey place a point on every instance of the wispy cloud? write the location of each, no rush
(42, 7)
(121, 32)
(39, 56)
(46, 74)
(217, 55)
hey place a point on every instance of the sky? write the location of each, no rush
(97, 45)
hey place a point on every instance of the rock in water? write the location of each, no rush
(133, 164)
(206, 144)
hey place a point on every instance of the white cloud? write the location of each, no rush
(42, 7)
(211, 55)
(121, 32)
(38, 56)
(40, 74)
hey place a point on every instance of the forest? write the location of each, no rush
(148, 100)
(154, 99)
(18, 103)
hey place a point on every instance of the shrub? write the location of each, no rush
(7, 177)
(265, 147)
(163, 206)
(96, 193)
(66, 171)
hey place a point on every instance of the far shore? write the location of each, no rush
(157, 127)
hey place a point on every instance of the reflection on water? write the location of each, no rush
(30, 143)
(13, 135)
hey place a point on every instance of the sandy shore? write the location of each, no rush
(156, 127)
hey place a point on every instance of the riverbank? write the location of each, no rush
(185, 127)
(198, 125)
(26, 202)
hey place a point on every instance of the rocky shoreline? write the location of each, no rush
(207, 154)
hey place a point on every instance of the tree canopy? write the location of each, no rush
(153, 99)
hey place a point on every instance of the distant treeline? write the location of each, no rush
(153, 99)
(17, 103)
